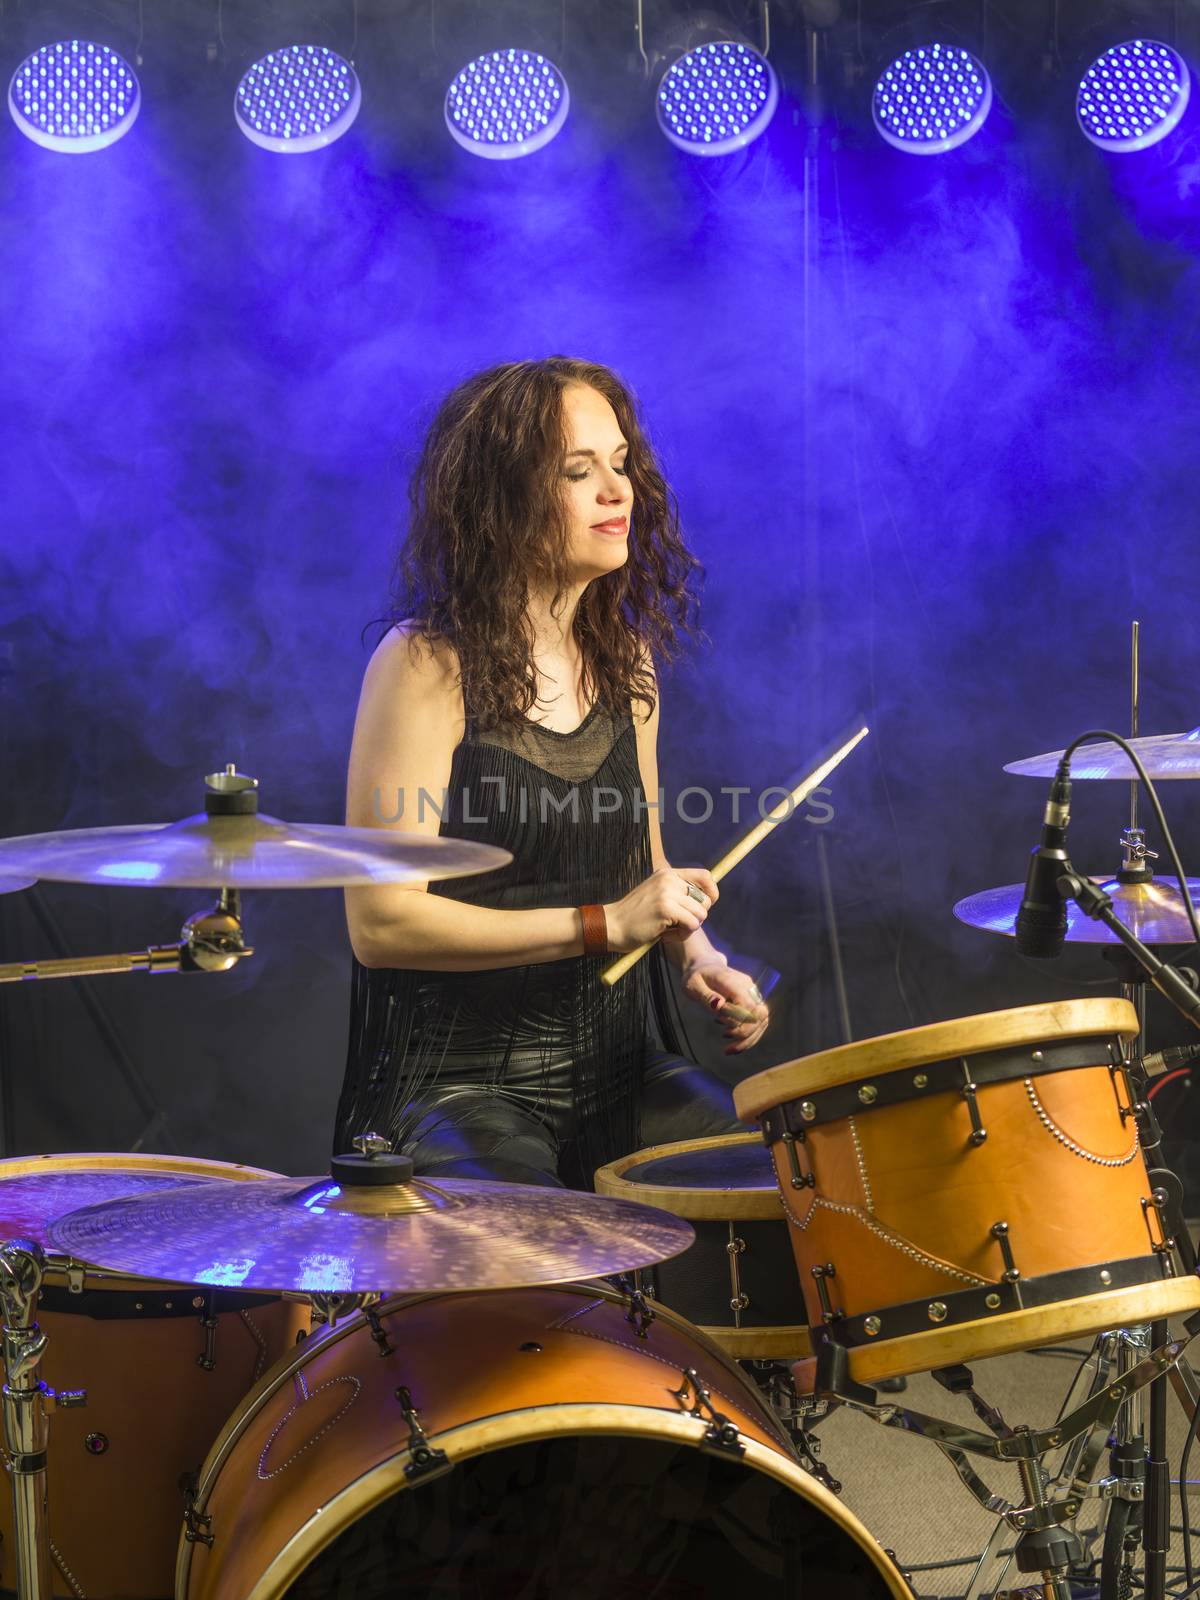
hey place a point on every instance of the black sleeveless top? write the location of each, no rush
(571, 809)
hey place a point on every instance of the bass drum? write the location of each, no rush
(533, 1443)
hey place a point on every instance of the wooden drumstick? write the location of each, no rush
(755, 835)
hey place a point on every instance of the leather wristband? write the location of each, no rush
(595, 930)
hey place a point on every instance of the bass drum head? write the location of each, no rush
(596, 1518)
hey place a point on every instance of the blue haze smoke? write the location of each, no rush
(932, 425)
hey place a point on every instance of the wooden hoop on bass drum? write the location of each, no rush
(969, 1188)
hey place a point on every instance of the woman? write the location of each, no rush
(543, 574)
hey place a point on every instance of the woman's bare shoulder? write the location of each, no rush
(407, 655)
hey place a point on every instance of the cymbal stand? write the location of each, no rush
(1046, 1542)
(210, 941)
(26, 1425)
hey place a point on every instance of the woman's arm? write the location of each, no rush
(706, 975)
(697, 949)
(410, 719)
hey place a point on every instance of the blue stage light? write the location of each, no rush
(299, 98)
(74, 96)
(932, 99)
(1133, 95)
(506, 104)
(717, 98)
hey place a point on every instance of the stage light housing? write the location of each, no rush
(1133, 95)
(717, 98)
(932, 99)
(74, 96)
(506, 104)
(302, 97)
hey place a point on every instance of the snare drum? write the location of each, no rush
(523, 1442)
(163, 1366)
(736, 1282)
(969, 1188)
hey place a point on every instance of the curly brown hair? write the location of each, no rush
(487, 517)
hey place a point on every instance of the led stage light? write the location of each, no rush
(505, 104)
(299, 98)
(717, 98)
(1133, 95)
(74, 96)
(932, 99)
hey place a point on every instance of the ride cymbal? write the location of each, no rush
(315, 1235)
(1164, 755)
(1153, 910)
(243, 852)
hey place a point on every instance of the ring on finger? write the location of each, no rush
(695, 893)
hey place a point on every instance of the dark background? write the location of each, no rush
(932, 423)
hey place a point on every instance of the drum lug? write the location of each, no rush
(427, 1461)
(639, 1312)
(1011, 1270)
(820, 1273)
(978, 1131)
(207, 1359)
(197, 1528)
(76, 1276)
(1157, 1202)
(799, 1179)
(378, 1331)
(721, 1435)
(738, 1300)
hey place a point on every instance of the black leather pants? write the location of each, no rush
(516, 1135)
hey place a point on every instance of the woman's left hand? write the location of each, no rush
(715, 985)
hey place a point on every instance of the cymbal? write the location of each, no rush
(1154, 911)
(313, 1235)
(244, 852)
(1164, 755)
(30, 1203)
(10, 884)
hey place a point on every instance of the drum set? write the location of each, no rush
(227, 1384)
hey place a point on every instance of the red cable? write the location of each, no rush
(1179, 1072)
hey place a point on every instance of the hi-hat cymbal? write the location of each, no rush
(1154, 911)
(244, 852)
(1164, 755)
(10, 884)
(313, 1235)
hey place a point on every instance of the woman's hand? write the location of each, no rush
(660, 907)
(715, 985)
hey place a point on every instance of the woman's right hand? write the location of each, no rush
(660, 908)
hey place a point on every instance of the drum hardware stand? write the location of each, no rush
(210, 941)
(327, 1309)
(26, 1423)
(1045, 1544)
(1176, 985)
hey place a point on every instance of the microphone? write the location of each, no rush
(1042, 920)
(1176, 1055)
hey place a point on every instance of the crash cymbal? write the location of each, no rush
(30, 1203)
(10, 885)
(243, 852)
(1164, 755)
(1154, 911)
(316, 1236)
